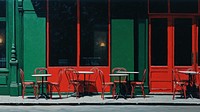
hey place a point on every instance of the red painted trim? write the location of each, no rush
(47, 33)
(109, 33)
(78, 33)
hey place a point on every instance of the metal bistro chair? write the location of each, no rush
(105, 84)
(27, 83)
(73, 80)
(139, 83)
(91, 82)
(56, 85)
(41, 70)
(178, 84)
(123, 79)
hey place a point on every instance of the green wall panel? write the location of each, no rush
(27, 5)
(143, 50)
(34, 43)
(122, 48)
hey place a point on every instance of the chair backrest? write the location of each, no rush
(22, 75)
(60, 73)
(70, 74)
(144, 75)
(176, 76)
(40, 70)
(101, 76)
(95, 75)
(117, 69)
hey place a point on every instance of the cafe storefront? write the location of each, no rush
(135, 34)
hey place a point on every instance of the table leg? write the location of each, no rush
(190, 89)
(120, 90)
(43, 95)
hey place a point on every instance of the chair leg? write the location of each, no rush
(51, 89)
(184, 91)
(173, 93)
(58, 89)
(132, 90)
(126, 88)
(77, 91)
(114, 91)
(142, 87)
(35, 91)
(23, 91)
(102, 94)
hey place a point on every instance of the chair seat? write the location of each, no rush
(41, 81)
(181, 83)
(137, 83)
(54, 83)
(28, 83)
(108, 83)
(120, 81)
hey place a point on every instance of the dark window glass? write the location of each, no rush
(2, 44)
(183, 41)
(159, 42)
(94, 32)
(158, 6)
(184, 6)
(2, 8)
(63, 33)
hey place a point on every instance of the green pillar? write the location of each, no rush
(143, 50)
(14, 88)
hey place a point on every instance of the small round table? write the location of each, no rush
(42, 95)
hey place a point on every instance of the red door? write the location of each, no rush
(172, 44)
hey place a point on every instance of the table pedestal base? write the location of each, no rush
(43, 95)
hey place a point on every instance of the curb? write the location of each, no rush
(78, 104)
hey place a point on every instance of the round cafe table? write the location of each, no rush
(191, 81)
(42, 95)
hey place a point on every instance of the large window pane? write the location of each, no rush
(183, 42)
(63, 33)
(2, 44)
(159, 42)
(158, 6)
(2, 8)
(184, 6)
(94, 32)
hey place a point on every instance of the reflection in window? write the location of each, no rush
(94, 32)
(2, 44)
(184, 6)
(159, 42)
(63, 33)
(2, 8)
(183, 42)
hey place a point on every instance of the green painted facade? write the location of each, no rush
(123, 50)
(26, 45)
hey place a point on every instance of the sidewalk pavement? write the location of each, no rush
(96, 100)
